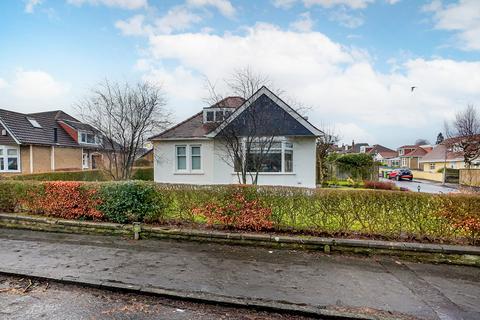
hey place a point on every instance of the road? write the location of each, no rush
(425, 291)
(25, 298)
(425, 186)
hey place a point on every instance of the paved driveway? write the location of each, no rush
(425, 186)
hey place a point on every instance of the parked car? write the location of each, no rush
(400, 174)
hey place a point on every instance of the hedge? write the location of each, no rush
(86, 175)
(373, 213)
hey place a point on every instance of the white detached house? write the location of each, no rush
(192, 151)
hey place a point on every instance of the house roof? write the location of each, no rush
(418, 152)
(383, 151)
(438, 155)
(194, 128)
(408, 146)
(22, 131)
(228, 102)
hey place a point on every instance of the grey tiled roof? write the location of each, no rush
(18, 124)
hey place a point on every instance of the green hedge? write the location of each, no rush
(86, 175)
(382, 214)
(145, 174)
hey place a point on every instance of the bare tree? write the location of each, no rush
(464, 133)
(124, 117)
(325, 144)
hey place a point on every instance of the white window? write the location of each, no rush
(34, 123)
(89, 138)
(432, 166)
(181, 158)
(210, 116)
(85, 161)
(270, 157)
(196, 157)
(9, 159)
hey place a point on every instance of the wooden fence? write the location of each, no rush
(470, 177)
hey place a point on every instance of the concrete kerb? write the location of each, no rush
(205, 298)
(463, 255)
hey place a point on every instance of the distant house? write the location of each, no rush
(384, 155)
(446, 153)
(410, 155)
(353, 148)
(144, 158)
(47, 141)
(192, 151)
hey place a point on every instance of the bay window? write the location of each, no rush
(268, 156)
(9, 159)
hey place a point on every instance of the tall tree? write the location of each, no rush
(124, 116)
(464, 133)
(440, 138)
(325, 144)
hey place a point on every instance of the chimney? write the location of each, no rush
(55, 135)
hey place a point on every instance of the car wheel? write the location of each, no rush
(411, 179)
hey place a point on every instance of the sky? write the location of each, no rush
(352, 62)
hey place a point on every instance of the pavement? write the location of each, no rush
(424, 291)
(425, 186)
(25, 298)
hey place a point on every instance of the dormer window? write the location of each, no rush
(89, 138)
(34, 123)
(215, 115)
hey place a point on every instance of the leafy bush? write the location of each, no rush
(238, 207)
(86, 175)
(380, 185)
(358, 165)
(385, 214)
(145, 174)
(130, 201)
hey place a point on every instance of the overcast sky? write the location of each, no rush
(352, 61)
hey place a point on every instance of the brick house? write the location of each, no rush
(411, 155)
(47, 141)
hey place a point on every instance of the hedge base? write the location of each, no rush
(431, 253)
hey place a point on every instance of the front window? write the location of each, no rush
(85, 161)
(181, 154)
(9, 159)
(196, 158)
(270, 157)
(432, 166)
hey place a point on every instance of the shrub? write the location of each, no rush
(145, 174)
(64, 199)
(239, 207)
(131, 202)
(86, 175)
(381, 185)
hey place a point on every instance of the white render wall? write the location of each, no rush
(216, 171)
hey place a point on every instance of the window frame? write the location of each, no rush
(177, 155)
(5, 157)
(198, 156)
(96, 139)
(283, 147)
(188, 159)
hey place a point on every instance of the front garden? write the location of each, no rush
(374, 214)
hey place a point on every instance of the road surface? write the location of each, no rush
(425, 291)
(425, 186)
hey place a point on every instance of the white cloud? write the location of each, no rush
(349, 132)
(177, 18)
(304, 23)
(123, 4)
(31, 4)
(3, 83)
(224, 6)
(353, 4)
(339, 83)
(133, 26)
(462, 17)
(36, 84)
(284, 4)
(346, 19)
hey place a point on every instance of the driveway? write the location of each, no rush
(425, 186)
(426, 291)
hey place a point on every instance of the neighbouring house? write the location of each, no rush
(192, 151)
(144, 158)
(410, 155)
(47, 141)
(384, 155)
(353, 148)
(445, 154)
